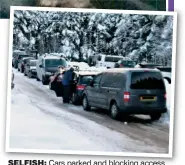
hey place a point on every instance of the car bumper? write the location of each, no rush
(142, 110)
(34, 73)
(79, 96)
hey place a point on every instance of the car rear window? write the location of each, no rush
(147, 80)
(55, 62)
(128, 63)
(33, 63)
(86, 79)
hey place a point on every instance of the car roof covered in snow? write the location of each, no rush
(131, 69)
(30, 57)
(51, 57)
(86, 73)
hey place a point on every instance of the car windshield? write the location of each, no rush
(32, 63)
(22, 56)
(112, 59)
(55, 62)
(128, 63)
(147, 80)
(27, 59)
(86, 79)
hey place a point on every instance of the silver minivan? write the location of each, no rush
(47, 65)
(127, 91)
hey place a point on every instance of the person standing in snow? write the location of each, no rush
(67, 81)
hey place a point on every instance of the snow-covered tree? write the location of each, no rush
(79, 35)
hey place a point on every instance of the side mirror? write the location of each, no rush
(40, 66)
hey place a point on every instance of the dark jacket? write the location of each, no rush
(68, 77)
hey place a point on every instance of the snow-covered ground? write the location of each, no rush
(39, 120)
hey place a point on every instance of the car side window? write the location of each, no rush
(43, 62)
(97, 80)
(112, 80)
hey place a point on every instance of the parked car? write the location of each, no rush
(23, 62)
(47, 65)
(18, 58)
(81, 79)
(127, 91)
(16, 53)
(147, 65)
(79, 66)
(30, 69)
(107, 61)
(125, 63)
(12, 82)
(166, 71)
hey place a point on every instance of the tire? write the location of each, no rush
(18, 69)
(38, 79)
(44, 82)
(29, 75)
(114, 111)
(85, 104)
(155, 117)
(74, 100)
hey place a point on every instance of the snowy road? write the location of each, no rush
(39, 120)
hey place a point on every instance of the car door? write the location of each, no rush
(93, 91)
(57, 84)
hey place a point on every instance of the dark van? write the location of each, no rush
(127, 91)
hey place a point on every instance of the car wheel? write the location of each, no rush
(38, 79)
(18, 69)
(85, 104)
(155, 117)
(25, 73)
(44, 82)
(74, 100)
(29, 75)
(114, 111)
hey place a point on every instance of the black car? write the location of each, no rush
(23, 62)
(30, 69)
(80, 81)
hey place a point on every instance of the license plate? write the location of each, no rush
(148, 98)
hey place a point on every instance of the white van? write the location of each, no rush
(107, 61)
(48, 65)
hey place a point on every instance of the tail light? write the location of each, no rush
(121, 65)
(126, 96)
(165, 96)
(80, 87)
